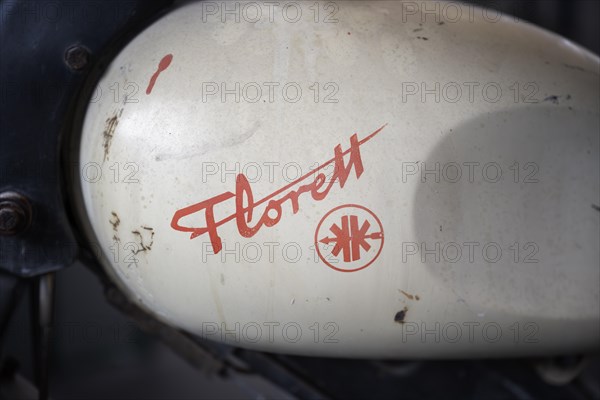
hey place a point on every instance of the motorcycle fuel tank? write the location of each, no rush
(357, 179)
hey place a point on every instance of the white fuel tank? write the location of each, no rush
(359, 179)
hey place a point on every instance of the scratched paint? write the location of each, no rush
(162, 65)
(174, 137)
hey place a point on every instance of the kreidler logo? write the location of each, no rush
(349, 238)
(344, 161)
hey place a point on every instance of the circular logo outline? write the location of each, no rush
(327, 215)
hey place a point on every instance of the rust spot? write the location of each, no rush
(417, 298)
(114, 221)
(553, 99)
(143, 238)
(400, 315)
(109, 132)
(408, 295)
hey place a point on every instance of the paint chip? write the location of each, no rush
(400, 315)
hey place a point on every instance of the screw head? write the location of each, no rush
(77, 57)
(15, 213)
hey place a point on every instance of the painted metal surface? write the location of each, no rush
(365, 179)
(41, 74)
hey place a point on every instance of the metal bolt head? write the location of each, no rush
(77, 57)
(15, 213)
(9, 219)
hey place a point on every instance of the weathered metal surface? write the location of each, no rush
(360, 179)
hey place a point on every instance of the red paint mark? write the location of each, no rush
(245, 204)
(359, 246)
(162, 65)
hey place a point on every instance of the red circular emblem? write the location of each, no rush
(349, 238)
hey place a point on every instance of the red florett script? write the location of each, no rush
(250, 222)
